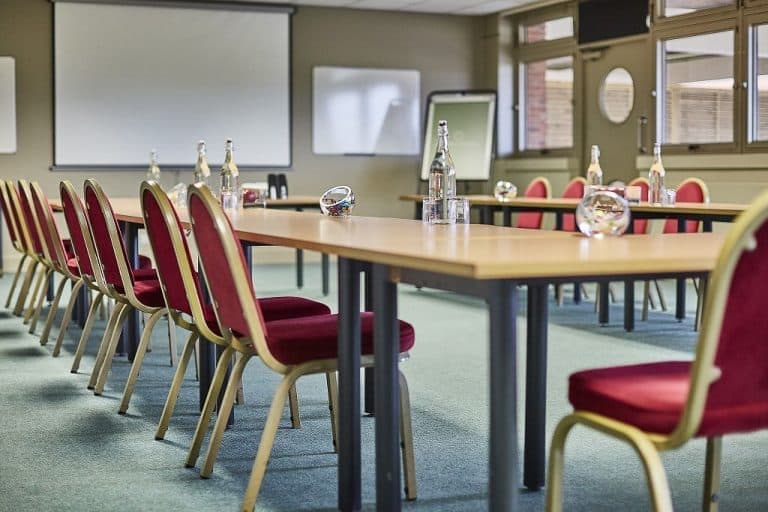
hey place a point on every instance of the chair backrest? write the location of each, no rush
(573, 190)
(691, 190)
(730, 371)
(640, 226)
(107, 238)
(23, 230)
(10, 217)
(539, 188)
(51, 236)
(173, 261)
(226, 273)
(79, 232)
(30, 219)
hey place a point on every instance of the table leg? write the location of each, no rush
(419, 210)
(129, 338)
(629, 305)
(299, 268)
(507, 214)
(680, 289)
(502, 473)
(536, 387)
(577, 293)
(386, 336)
(349, 385)
(603, 291)
(325, 265)
(369, 389)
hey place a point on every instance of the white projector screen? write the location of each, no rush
(132, 78)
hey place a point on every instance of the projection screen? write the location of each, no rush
(132, 78)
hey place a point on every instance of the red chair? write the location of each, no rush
(121, 282)
(17, 235)
(640, 226)
(291, 348)
(660, 406)
(691, 190)
(186, 307)
(538, 188)
(27, 214)
(574, 189)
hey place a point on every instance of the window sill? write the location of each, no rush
(740, 161)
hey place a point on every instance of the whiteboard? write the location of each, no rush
(132, 78)
(365, 111)
(471, 121)
(7, 105)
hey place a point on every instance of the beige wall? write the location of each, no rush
(447, 50)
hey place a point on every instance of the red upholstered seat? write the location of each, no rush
(144, 273)
(149, 293)
(305, 339)
(538, 188)
(690, 191)
(275, 308)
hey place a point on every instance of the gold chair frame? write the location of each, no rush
(740, 238)
(21, 243)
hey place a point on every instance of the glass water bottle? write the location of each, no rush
(656, 178)
(153, 173)
(202, 171)
(442, 177)
(229, 192)
(594, 172)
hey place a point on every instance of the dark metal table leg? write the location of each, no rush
(536, 387)
(507, 215)
(502, 473)
(325, 267)
(129, 339)
(576, 293)
(299, 268)
(629, 305)
(349, 385)
(370, 385)
(603, 291)
(680, 288)
(386, 345)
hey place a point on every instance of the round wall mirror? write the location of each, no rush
(617, 95)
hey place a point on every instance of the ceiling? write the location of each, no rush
(464, 7)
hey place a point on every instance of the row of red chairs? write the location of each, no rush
(292, 336)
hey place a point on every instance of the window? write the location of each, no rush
(546, 104)
(697, 78)
(758, 118)
(546, 31)
(680, 7)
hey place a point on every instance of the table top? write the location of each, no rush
(470, 250)
(566, 204)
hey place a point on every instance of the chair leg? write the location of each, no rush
(700, 304)
(38, 291)
(109, 355)
(112, 327)
(210, 403)
(25, 286)
(406, 441)
(612, 293)
(584, 292)
(64, 320)
(40, 300)
(555, 473)
(223, 417)
(293, 406)
(173, 393)
(197, 359)
(240, 395)
(660, 293)
(646, 299)
(138, 359)
(559, 294)
(172, 348)
(266, 443)
(712, 474)
(85, 334)
(15, 280)
(54, 307)
(333, 406)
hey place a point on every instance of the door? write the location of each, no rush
(618, 106)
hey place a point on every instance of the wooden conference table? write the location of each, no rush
(707, 213)
(478, 260)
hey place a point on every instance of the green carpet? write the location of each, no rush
(62, 448)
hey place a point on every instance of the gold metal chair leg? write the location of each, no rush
(85, 334)
(173, 392)
(223, 416)
(138, 359)
(333, 406)
(15, 280)
(210, 403)
(52, 310)
(25, 286)
(555, 472)
(35, 313)
(38, 291)
(584, 293)
(712, 474)
(559, 294)
(660, 293)
(240, 395)
(172, 347)
(611, 294)
(109, 355)
(406, 441)
(293, 406)
(112, 327)
(646, 299)
(64, 320)
(266, 443)
(700, 304)
(197, 359)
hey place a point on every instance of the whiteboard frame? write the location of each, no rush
(469, 96)
(10, 145)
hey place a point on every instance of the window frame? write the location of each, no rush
(704, 15)
(751, 21)
(681, 27)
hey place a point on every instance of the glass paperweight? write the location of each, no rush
(337, 201)
(603, 213)
(504, 190)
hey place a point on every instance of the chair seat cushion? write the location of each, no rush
(144, 274)
(275, 308)
(300, 340)
(149, 293)
(144, 261)
(652, 397)
(73, 267)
